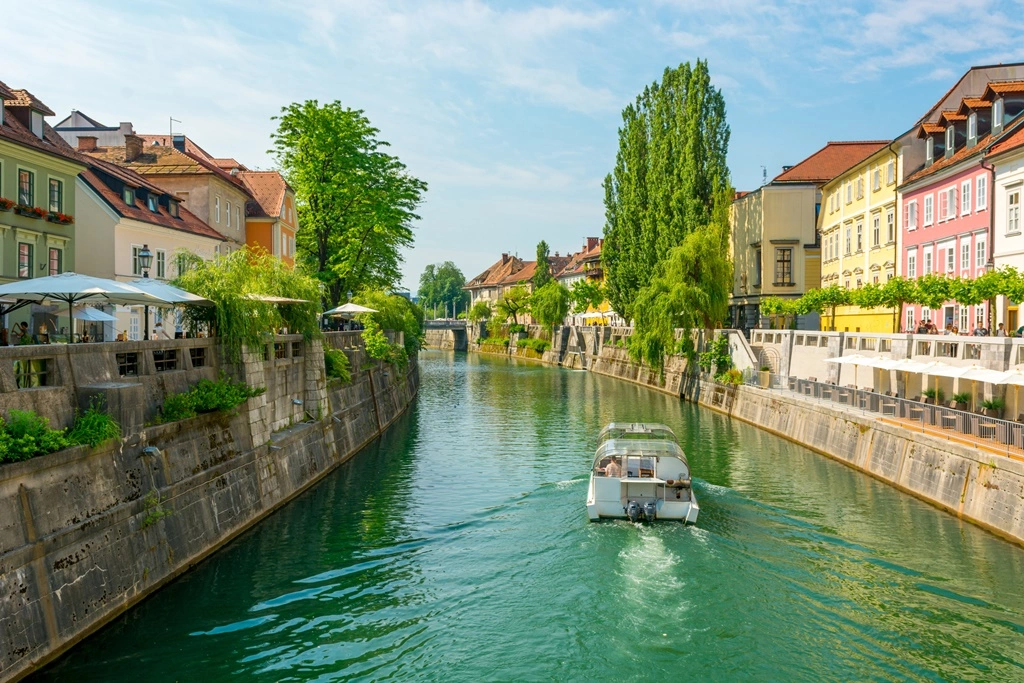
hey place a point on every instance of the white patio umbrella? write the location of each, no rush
(1015, 378)
(72, 288)
(856, 360)
(93, 315)
(977, 373)
(267, 298)
(350, 309)
(168, 292)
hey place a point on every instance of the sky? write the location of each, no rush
(508, 110)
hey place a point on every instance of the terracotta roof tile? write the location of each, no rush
(959, 155)
(268, 189)
(521, 275)
(830, 161)
(498, 271)
(5, 92)
(97, 175)
(23, 98)
(1012, 141)
(930, 129)
(1002, 88)
(52, 143)
(973, 103)
(950, 116)
(161, 159)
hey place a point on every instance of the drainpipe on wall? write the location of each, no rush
(991, 263)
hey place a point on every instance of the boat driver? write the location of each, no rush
(612, 469)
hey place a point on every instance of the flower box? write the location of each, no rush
(30, 211)
(6, 204)
(60, 218)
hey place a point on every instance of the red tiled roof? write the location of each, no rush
(186, 221)
(1001, 88)
(23, 98)
(521, 275)
(157, 160)
(959, 155)
(498, 271)
(930, 129)
(1011, 141)
(5, 92)
(268, 189)
(950, 116)
(52, 143)
(830, 161)
(971, 103)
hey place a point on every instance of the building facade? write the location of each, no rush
(859, 236)
(271, 220)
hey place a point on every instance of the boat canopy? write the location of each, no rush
(639, 431)
(618, 448)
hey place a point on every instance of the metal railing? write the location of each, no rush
(936, 419)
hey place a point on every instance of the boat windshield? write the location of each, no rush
(638, 431)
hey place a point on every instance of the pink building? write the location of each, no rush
(945, 208)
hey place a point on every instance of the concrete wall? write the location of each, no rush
(87, 533)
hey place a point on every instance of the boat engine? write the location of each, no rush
(633, 511)
(650, 511)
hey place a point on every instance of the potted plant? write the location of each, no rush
(961, 401)
(765, 376)
(992, 406)
(932, 396)
(30, 211)
(6, 204)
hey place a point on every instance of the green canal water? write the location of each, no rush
(457, 549)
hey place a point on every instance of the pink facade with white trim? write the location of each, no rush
(941, 215)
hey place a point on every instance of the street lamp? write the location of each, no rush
(145, 261)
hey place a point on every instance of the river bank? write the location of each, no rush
(88, 533)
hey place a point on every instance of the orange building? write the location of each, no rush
(270, 218)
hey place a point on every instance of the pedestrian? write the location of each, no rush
(1001, 330)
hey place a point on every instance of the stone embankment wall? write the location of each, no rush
(87, 533)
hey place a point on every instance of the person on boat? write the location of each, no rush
(612, 469)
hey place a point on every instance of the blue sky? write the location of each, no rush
(509, 110)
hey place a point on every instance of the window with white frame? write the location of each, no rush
(963, 318)
(911, 215)
(972, 127)
(929, 210)
(860, 235)
(950, 260)
(979, 316)
(997, 115)
(929, 150)
(216, 208)
(981, 255)
(943, 205)
(947, 204)
(876, 230)
(890, 173)
(227, 206)
(927, 262)
(890, 226)
(1013, 212)
(965, 254)
(849, 233)
(911, 324)
(965, 198)
(238, 218)
(981, 197)
(876, 180)
(136, 263)
(950, 139)
(911, 265)
(926, 314)
(860, 188)
(161, 263)
(849, 192)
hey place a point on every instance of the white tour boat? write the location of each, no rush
(640, 473)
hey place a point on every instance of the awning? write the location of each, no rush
(350, 309)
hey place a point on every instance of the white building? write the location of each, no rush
(1007, 161)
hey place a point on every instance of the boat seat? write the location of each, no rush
(646, 473)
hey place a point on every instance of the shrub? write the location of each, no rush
(730, 376)
(177, 407)
(337, 366)
(379, 348)
(207, 397)
(993, 404)
(26, 435)
(516, 328)
(495, 341)
(962, 397)
(93, 427)
(538, 345)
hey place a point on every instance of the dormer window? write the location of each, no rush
(997, 116)
(151, 203)
(972, 129)
(128, 195)
(172, 208)
(929, 151)
(36, 119)
(950, 139)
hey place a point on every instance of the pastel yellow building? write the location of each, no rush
(860, 235)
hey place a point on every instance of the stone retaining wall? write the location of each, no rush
(87, 533)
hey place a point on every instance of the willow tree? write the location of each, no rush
(356, 203)
(690, 289)
(670, 165)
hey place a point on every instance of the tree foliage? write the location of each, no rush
(542, 275)
(232, 280)
(356, 203)
(514, 303)
(550, 304)
(585, 294)
(690, 289)
(441, 286)
(396, 313)
(481, 310)
(670, 166)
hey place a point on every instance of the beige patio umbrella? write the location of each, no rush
(977, 373)
(1014, 377)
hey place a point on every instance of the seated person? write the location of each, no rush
(612, 469)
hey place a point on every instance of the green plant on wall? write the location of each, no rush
(155, 511)
(337, 366)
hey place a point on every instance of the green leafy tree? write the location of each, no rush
(550, 303)
(396, 313)
(933, 290)
(441, 287)
(356, 203)
(896, 293)
(514, 303)
(690, 289)
(585, 294)
(826, 299)
(670, 166)
(542, 275)
(481, 310)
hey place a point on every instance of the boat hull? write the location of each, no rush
(607, 498)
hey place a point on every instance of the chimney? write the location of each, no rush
(132, 147)
(592, 243)
(504, 259)
(556, 254)
(86, 143)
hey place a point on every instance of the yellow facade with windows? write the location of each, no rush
(859, 226)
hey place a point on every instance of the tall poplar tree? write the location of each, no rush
(542, 275)
(670, 165)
